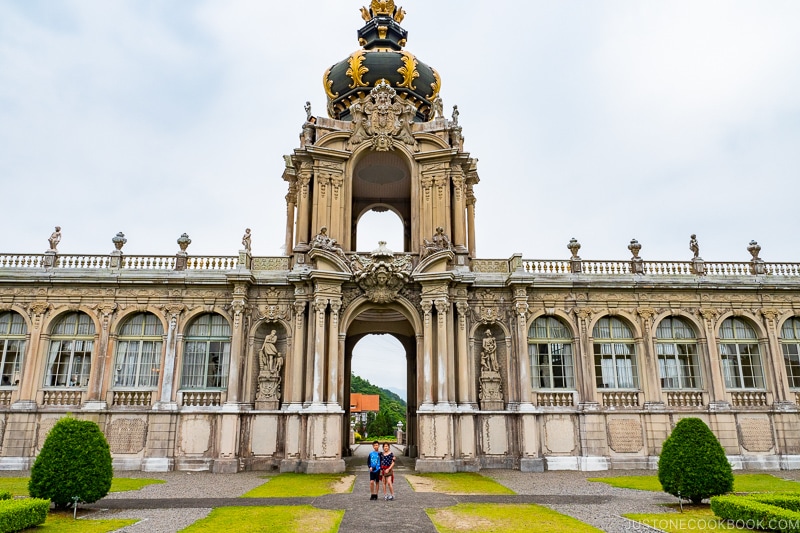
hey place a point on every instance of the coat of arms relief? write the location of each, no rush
(382, 119)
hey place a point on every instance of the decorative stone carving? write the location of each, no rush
(382, 276)
(119, 240)
(637, 263)
(694, 246)
(382, 119)
(438, 243)
(625, 435)
(126, 435)
(270, 363)
(755, 434)
(322, 241)
(491, 394)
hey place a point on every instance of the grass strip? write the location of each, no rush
(504, 518)
(748, 483)
(292, 485)
(277, 519)
(695, 518)
(18, 486)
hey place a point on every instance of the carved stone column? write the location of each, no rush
(320, 305)
(168, 374)
(471, 221)
(784, 399)
(294, 392)
(650, 378)
(291, 199)
(716, 385)
(523, 360)
(333, 353)
(466, 386)
(238, 343)
(303, 208)
(427, 356)
(459, 211)
(586, 386)
(37, 349)
(94, 398)
(443, 370)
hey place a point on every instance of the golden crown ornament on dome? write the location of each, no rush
(383, 7)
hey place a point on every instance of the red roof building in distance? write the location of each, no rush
(361, 404)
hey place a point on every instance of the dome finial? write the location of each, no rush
(384, 8)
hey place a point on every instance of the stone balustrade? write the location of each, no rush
(621, 399)
(685, 399)
(62, 397)
(749, 399)
(201, 398)
(132, 398)
(5, 398)
(555, 399)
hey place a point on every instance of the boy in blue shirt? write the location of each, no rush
(374, 463)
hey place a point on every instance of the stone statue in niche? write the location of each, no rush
(491, 392)
(439, 242)
(270, 362)
(489, 354)
(381, 117)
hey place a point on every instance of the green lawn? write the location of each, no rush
(18, 486)
(504, 518)
(465, 483)
(278, 519)
(62, 522)
(695, 518)
(291, 485)
(741, 483)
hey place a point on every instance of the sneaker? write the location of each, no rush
(391, 497)
(386, 497)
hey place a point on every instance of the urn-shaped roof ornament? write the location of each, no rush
(119, 240)
(184, 241)
(573, 247)
(754, 248)
(634, 247)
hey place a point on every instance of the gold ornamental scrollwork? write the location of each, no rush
(408, 71)
(382, 7)
(328, 84)
(357, 69)
(436, 85)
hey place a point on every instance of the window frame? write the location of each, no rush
(614, 343)
(123, 369)
(191, 349)
(676, 342)
(787, 346)
(78, 348)
(10, 372)
(738, 346)
(566, 367)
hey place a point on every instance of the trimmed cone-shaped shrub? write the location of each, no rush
(74, 461)
(692, 464)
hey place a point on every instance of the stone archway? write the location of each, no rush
(388, 319)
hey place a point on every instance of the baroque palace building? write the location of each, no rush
(242, 362)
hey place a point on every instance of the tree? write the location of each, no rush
(692, 464)
(75, 461)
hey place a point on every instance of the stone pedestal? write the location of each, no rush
(491, 395)
(50, 258)
(698, 266)
(268, 397)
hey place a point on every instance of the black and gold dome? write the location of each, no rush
(381, 58)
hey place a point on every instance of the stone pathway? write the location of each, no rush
(187, 497)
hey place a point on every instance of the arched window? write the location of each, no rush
(12, 347)
(206, 353)
(790, 344)
(550, 351)
(614, 355)
(70, 359)
(138, 359)
(740, 355)
(676, 347)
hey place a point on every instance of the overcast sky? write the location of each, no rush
(600, 120)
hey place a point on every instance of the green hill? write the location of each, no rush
(392, 408)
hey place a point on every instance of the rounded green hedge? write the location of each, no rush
(693, 464)
(75, 461)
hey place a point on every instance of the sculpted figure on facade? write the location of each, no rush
(322, 241)
(489, 353)
(382, 276)
(438, 242)
(437, 108)
(694, 246)
(268, 357)
(246, 240)
(491, 390)
(379, 117)
(269, 376)
(54, 239)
